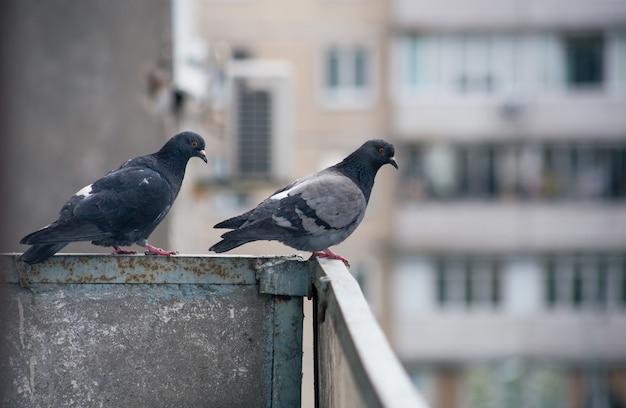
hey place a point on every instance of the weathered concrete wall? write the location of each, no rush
(73, 101)
(147, 331)
(90, 345)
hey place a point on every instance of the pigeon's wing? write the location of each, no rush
(124, 200)
(311, 207)
(129, 199)
(328, 202)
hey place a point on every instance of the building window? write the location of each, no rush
(498, 63)
(360, 68)
(346, 69)
(468, 282)
(585, 60)
(587, 282)
(332, 69)
(524, 171)
(347, 77)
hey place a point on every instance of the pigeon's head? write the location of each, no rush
(187, 144)
(379, 152)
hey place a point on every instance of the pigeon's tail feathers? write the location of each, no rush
(70, 231)
(235, 222)
(39, 253)
(27, 239)
(260, 230)
(227, 244)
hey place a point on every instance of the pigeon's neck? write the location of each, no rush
(359, 172)
(172, 167)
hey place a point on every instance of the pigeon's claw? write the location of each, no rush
(152, 250)
(327, 253)
(120, 251)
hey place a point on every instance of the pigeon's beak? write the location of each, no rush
(202, 154)
(392, 161)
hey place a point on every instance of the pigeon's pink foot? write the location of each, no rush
(327, 253)
(119, 251)
(152, 250)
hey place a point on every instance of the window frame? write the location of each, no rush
(345, 93)
(468, 283)
(487, 64)
(584, 282)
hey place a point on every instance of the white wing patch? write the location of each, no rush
(85, 191)
(282, 222)
(144, 182)
(285, 193)
(281, 195)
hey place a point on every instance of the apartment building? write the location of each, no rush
(509, 238)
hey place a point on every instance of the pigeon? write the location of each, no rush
(124, 206)
(317, 211)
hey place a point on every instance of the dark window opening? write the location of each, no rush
(585, 60)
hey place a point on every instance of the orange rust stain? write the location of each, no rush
(198, 270)
(131, 279)
(87, 279)
(219, 270)
(139, 278)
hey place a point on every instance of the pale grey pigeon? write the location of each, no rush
(123, 207)
(317, 211)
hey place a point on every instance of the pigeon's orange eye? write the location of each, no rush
(194, 144)
(381, 150)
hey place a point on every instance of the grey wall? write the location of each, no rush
(147, 331)
(73, 101)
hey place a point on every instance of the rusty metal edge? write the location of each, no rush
(139, 269)
(283, 276)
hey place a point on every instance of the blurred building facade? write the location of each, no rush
(496, 258)
(509, 280)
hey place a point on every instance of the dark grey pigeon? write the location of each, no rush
(317, 211)
(123, 207)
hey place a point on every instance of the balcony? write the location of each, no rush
(504, 227)
(99, 330)
(566, 116)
